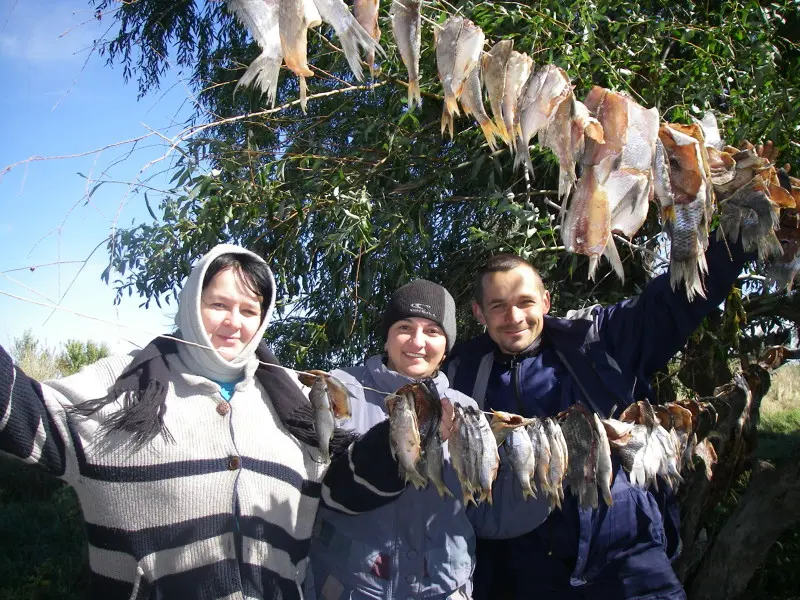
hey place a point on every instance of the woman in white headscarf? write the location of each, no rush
(195, 463)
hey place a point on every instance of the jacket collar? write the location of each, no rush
(390, 381)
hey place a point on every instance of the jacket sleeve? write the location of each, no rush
(509, 515)
(644, 332)
(365, 477)
(33, 424)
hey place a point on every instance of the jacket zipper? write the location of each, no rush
(515, 377)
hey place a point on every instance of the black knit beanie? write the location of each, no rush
(425, 299)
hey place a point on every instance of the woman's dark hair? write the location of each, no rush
(250, 271)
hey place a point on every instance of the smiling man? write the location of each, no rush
(533, 364)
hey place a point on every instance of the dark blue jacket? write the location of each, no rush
(603, 357)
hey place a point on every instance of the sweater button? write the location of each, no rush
(223, 408)
(234, 462)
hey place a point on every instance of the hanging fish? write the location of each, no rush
(605, 471)
(260, 17)
(545, 98)
(295, 18)
(366, 13)
(493, 72)
(559, 462)
(683, 207)
(407, 28)
(351, 34)
(587, 224)
(472, 101)
(583, 442)
(459, 43)
(522, 459)
(464, 454)
(518, 71)
(404, 436)
(330, 400)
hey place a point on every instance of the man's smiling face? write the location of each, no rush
(512, 308)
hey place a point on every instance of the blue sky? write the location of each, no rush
(55, 106)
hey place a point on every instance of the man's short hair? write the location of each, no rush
(500, 263)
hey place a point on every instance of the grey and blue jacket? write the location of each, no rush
(604, 358)
(419, 545)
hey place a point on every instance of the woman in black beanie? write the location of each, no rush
(420, 544)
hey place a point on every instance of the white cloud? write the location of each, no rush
(46, 31)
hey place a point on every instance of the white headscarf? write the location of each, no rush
(210, 363)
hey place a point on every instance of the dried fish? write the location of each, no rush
(407, 28)
(518, 71)
(330, 400)
(260, 17)
(581, 476)
(405, 437)
(462, 453)
(295, 18)
(458, 43)
(493, 72)
(521, 457)
(351, 34)
(488, 457)
(605, 472)
(366, 13)
(472, 101)
(684, 209)
(558, 461)
(545, 92)
(324, 422)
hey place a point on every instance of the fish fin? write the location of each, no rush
(414, 97)
(447, 122)
(443, 490)
(339, 398)
(263, 72)
(490, 133)
(303, 93)
(689, 271)
(416, 479)
(612, 255)
(307, 379)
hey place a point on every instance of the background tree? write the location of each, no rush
(34, 357)
(354, 198)
(77, 354)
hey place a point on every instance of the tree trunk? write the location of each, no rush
(770, 506)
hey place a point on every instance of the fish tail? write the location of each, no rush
(613, 257)
(303, 93)
(490, 133)
(416, 479)
(414, 97)
(443, 490)
(352, 38)
(502, 132)
(565, 181)
(447, 122)
(451, 105)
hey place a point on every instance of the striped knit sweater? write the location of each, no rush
(226, 511)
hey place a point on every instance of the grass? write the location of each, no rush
(43, 552)
(779, 434)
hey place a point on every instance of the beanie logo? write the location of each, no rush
(425, 309)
